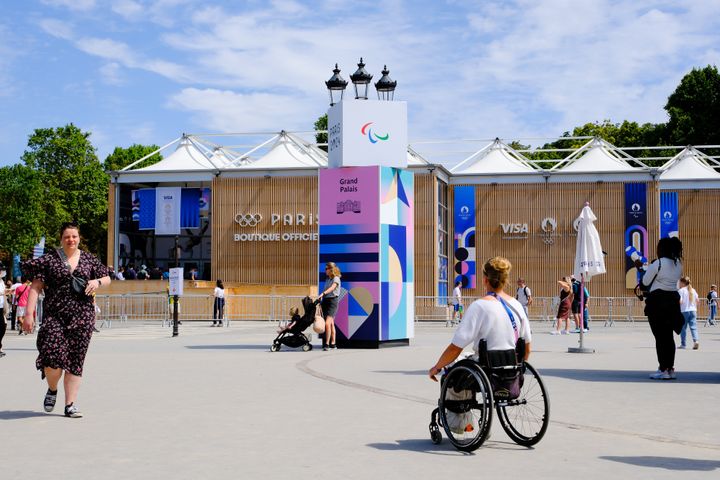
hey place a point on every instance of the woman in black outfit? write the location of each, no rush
(662, 305)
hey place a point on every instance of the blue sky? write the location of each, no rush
(145, 71)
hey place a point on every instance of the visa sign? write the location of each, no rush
(509, 228)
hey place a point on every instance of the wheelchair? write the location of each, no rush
(470, 390)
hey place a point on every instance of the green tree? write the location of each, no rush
(22, 214)
(694, 108)
(75, 185)
(122, 157)
(321, 125)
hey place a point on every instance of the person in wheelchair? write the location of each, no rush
(497, 318)
(496, 377)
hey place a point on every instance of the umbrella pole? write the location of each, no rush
(580, 348)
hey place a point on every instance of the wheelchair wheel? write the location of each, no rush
(526, 419)
(465, 405)
(307, 347)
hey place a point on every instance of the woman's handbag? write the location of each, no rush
(319, 321)
(642, 291)
(78, 284)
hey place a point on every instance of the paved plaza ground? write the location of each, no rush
(215, 403)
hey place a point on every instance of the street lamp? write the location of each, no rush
(336, 86)
(385, 86)
(361, 79)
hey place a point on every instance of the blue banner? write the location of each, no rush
(636, 235)
(464, 235)
(669, 214)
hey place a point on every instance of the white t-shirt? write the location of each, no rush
(713, 297)
(523, 295)
(457, 296)
(2, 295)
(667, 277)
(488, 319)
(219, 292)
(686, 303)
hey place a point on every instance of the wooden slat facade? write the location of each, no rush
(543, 259)
(426, 244)
(699, 222)
(264, 262)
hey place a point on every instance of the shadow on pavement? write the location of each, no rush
(668, 463)
(20, 414)
(229, 347)
(403, 372)
(424, 445)
(627, 375)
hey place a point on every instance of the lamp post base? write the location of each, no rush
(581, 350)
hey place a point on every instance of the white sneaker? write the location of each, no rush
(670, 375)
(660, 375)
(565, 332)
(554, 332)
(681, 347)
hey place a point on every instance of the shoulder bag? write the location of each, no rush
(78, 284)
(319, 321)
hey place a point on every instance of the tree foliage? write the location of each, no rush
(22, 214)
(694, 108)
(74, 184)
(122, 157)
(321, 125)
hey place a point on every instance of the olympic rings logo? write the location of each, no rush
(248, 219)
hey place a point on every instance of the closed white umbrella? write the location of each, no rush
(589, 261)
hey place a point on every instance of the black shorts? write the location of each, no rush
(576, 307)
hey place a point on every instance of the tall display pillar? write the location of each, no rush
(366, 223)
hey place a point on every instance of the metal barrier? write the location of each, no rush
(121, 309)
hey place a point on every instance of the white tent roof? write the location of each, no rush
(289, 151)
(414, 159)
(496, 158)
(596, 156)
(187, 156)
(690, 164)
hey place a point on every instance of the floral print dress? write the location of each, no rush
(68, 317)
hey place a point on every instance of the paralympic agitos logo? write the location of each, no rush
(372, 136)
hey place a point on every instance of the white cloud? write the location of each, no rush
(227, 111)
(57, 28)
(111, 73)
(127, 8)
(79, 5)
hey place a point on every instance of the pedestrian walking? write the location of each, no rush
(21, 295)
(563, 313)
(218, 303)
(688, 307)
(69, 277)
(458, 309)
(662, 305)
(3, 325)
(712, 298)
(523, 294)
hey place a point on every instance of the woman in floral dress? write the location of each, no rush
(68, 316)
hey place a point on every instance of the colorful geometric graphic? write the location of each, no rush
(373, 248)
(464, 237)
(636, 235)
(397, 264)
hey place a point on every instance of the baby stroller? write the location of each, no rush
(294, 336)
